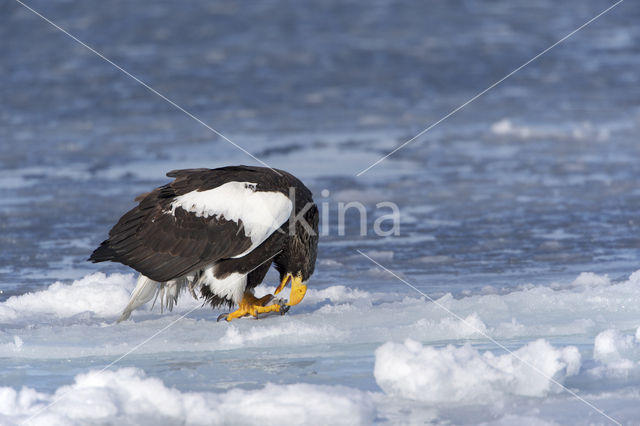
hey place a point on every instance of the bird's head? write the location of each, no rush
(297, 261)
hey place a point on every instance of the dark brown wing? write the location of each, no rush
(164, 246)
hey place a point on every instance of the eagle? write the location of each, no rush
(217, 232)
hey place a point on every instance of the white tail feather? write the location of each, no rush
(144, 291)
(168, 292)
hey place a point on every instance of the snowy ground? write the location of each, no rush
(519, 214)
(347, 356)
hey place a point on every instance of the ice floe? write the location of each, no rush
(399, 357)
(128, 397)
(448, 374)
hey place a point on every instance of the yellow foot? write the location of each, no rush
(250, 305)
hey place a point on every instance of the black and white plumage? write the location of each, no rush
(217, 231)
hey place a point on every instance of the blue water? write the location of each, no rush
(288, 82)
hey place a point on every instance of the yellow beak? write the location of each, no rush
(298, 290)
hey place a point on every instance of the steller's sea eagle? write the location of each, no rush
(218, 231)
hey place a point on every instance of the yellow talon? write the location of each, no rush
(250, 305)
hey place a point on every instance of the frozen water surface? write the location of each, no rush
(519, 214)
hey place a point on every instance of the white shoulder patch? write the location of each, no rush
(261, 212)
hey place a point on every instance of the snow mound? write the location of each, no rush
(337, 294)
(128, 397)
(97, 294)
(618, 353)
(586, 281)
(589, 279)
(463, 374)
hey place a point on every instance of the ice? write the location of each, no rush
(583, 307)
(518, 212)
(454, 374)
(127, 396)
(97, 294)
(575, 131)
(618, 353)
(394, 355)
(589, 279)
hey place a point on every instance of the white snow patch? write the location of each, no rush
(337, 294)
(589, 279)
(463, 374)
(336, 315)
(571, 131)
(128, 397)
(618, 353)
(97, 294)
(289, 333)
(329, 262)
(453, 328)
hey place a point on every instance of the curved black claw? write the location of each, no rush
(222, 317)
(284, 309)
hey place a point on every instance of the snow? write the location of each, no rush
(97, 294)
(347, 350)
(127, 396)
(528, 312)
(579, 132)
(454, 374)
(618, 353)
